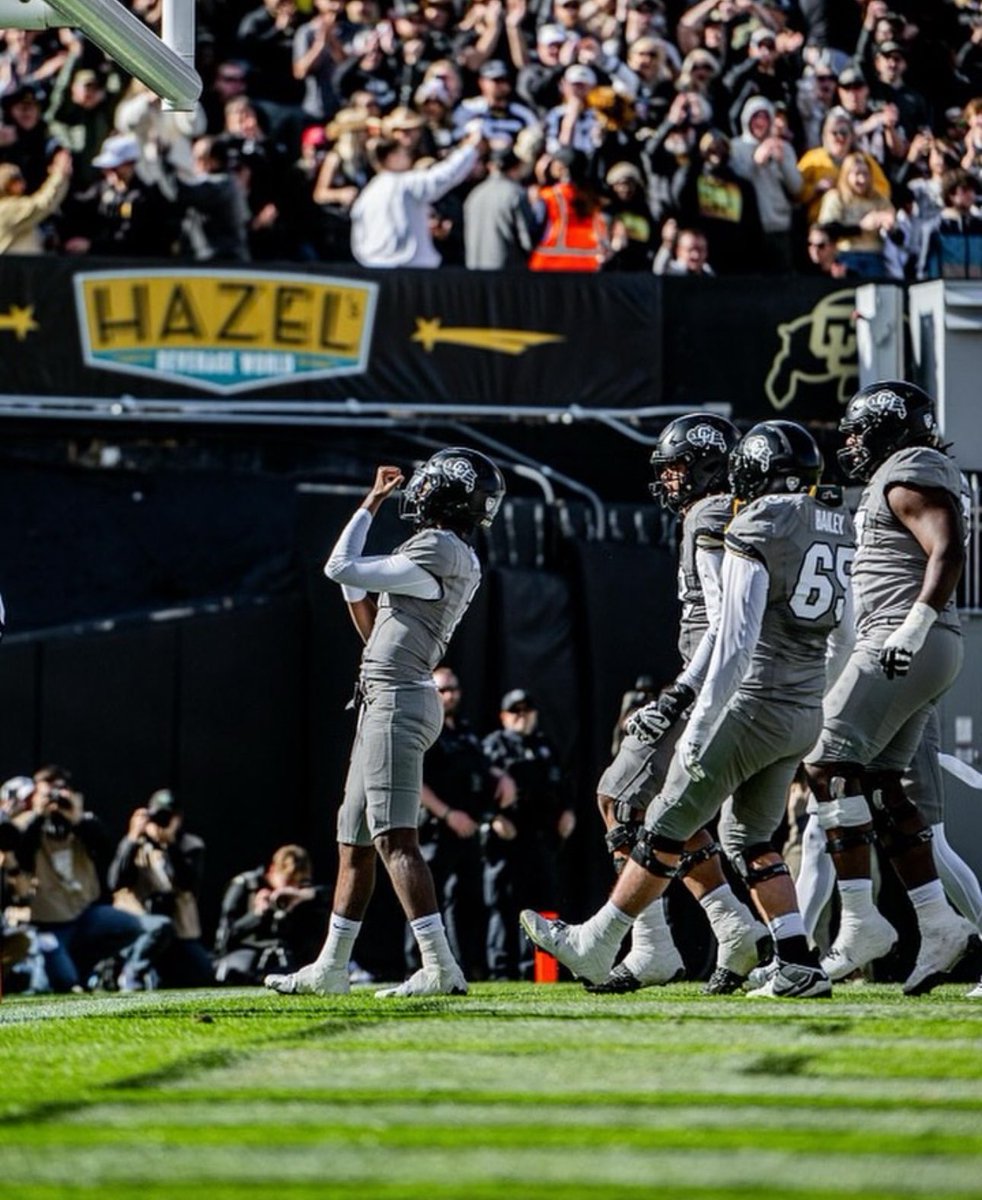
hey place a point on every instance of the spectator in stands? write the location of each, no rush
(768, 162)
(539, 79)
(690, 257)
(343, 173)
(876, 128)
(273, 919)
(24, 137)
(815, 98)
(972, 158)
(889, 88)
(265, 41)
(954, 249)
(389, 220)
(823, 256)
(24, 64)
(317, 49)
(80, 115)
(713, 198)
(215, 214)
(65, 849)
(231, 79)
(575, 235)
(434, 104)
(633, 233)
(501, 118)
(653, 89)
(766, 72)
(367, 69)
(821, 165)
(122, 215)
(498, 222)
(574, 123)
(22, 214)
(667, 152)
(861, 218)
(523, 871)
(158, 870)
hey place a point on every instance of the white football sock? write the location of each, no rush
(651, 927)
(957, 878)
(431, 937)
(340, 941)
(929, 902)
(816, 877)
(857, 900)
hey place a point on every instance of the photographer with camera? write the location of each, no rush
(65, 849)
(156, 875)
(273, 919)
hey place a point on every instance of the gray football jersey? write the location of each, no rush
(889, 568)
(410, 635)
(703, 525)
(807, 547)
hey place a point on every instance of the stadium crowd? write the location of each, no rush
(725, 136)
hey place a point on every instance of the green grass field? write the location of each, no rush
(517, 1090)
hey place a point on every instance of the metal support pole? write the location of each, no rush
(168, 72)
(177, 33)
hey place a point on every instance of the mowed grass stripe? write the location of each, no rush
(504, 1087)
(525, 1134)
(264, 1165)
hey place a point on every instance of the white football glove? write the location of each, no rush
(652, 721)
(690, 756)
(900, 647)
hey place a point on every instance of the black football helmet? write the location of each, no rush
(777, 457)
(881, 419)
(457, 487)
(701, 444)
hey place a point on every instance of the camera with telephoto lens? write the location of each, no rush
(56, 824)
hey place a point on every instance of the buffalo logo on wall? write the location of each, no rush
(816, 348)
(225, 331)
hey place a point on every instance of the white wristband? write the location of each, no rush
(352, 594)
(917, 624)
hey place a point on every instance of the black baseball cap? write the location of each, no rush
(517, 698)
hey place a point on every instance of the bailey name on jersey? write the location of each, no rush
(827, 521)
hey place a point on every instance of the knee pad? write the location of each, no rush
(752, 875)
(693, 858)
(644, 853)
(624, 834)
(622, 837)
(898, 824)
(843, 812)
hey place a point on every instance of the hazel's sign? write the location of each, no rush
(225, 331)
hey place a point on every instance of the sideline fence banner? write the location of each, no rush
(241, 340)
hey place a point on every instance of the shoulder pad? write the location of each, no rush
(830, 495)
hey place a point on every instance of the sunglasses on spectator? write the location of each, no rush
(840, 132)
(818, 245)
(455, 688)
(520, 710)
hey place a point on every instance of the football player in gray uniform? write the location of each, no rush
(690, 462)
(908, 652)
(784, 595)
(424, 588)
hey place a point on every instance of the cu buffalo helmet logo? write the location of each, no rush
(757, 450)
(706, 437)
(459, 470)
(886, 402)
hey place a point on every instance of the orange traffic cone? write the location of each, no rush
(546, 967)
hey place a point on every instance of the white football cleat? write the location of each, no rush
(793, 981)
(944, 944)
(311, 980)
(566, 943)
(651, 967)
(738, 943)
(858, 945)
(429, 981)
(975, 993)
